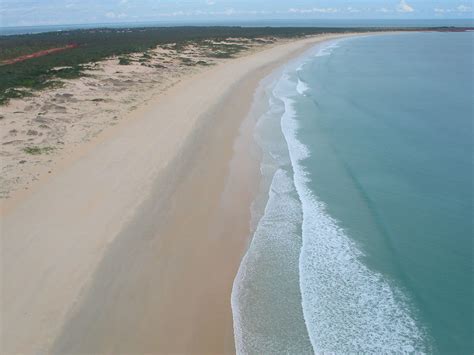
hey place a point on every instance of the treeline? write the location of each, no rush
(95, 43)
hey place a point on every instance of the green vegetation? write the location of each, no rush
(147, 56)
(202, 62)
(223, 50)
(124, 61)
(12, 93)
(38, 150)
(93, 45)
(186, 61)
(68, 72)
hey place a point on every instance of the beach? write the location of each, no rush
(132, 243)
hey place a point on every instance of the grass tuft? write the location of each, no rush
(125, 61)
(38, 150)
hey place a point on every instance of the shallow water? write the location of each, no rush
(366, 240)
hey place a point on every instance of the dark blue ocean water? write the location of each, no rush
(372, 186)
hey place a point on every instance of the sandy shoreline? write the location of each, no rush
(132, 247)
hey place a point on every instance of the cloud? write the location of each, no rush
(325, 10)
(113, 15)
(229, 12)
(464, 8)
(404, 7)
(36, 12)
(352, 10)
(226, 12)
(459, 9)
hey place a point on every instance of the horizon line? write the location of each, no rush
(241, 20)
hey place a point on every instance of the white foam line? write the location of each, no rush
(302, 87)
(347, 307)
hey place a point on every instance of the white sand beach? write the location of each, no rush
(131, 243)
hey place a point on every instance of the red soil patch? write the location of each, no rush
(38, 54)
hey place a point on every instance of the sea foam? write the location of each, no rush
(266, 298)
(348, 308)
(302, 286)
(302, 87)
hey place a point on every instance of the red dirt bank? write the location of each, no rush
(38, 54)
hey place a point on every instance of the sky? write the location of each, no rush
(58, 12)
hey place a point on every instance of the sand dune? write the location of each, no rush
(38, 132)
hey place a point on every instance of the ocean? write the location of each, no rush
(363, 236)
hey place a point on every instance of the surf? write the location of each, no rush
(345, 304)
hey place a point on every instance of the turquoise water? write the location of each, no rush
(365, 244)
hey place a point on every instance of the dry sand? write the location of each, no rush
(58, 121)
(132, 245)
